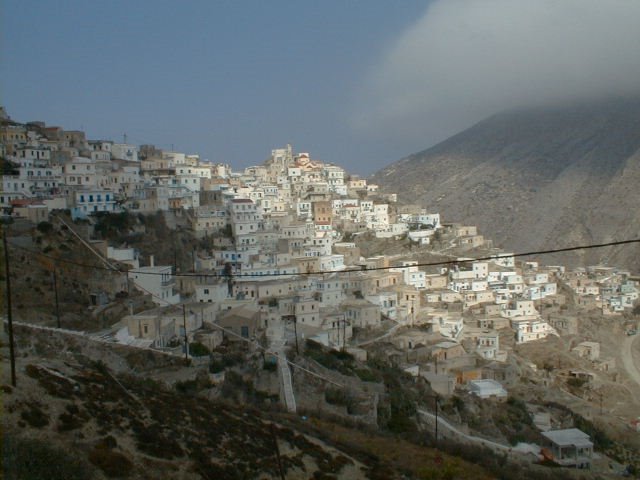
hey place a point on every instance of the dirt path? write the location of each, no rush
(627, 358)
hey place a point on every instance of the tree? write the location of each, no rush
(45, 227)
(197, 349)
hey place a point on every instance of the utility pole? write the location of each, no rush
(12, 352)
(55, 289)
(344, 332)
(186, 338)
(275, 443)
(175, 257)
(295, 332)
(435, 399)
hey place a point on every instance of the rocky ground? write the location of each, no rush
(84, 410)
(612, 398)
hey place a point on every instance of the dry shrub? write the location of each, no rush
(34, 416)
(113, 464)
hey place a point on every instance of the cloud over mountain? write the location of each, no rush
(465, 59)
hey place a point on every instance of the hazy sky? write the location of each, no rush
(358, 83)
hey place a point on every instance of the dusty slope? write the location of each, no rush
(75, 418)
(537, 178)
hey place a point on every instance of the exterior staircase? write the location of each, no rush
(284, 375)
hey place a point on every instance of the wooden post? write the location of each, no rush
(55, 289)
(12, 353)
(435, 399)
(186, 337)
(275, 442)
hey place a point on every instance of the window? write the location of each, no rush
(244, 331)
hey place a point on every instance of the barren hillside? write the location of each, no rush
(537, 178)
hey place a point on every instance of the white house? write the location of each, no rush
(487, 389)
(124, 255)
(124, 151)
(528, 330)
(411, 274)
(90, 201)
(387, 302)
(157, 281)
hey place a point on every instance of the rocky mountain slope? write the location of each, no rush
(537, 178)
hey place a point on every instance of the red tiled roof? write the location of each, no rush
(23, 202)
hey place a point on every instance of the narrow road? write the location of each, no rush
(519, 449)
(627, 358)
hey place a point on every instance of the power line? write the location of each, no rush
(344, 271)
(265, 349)
(251, 342)
(228, 332)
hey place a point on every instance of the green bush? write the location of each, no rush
(270, 366)
(336, 396)
(576, 382)
(368, 375)
(341, 361)
(197, 349)
(114, 225)
(216, 366)
(312, 345)
(45, 227)
(35, 417)
(600, 439)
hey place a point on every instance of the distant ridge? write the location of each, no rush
(537, 178)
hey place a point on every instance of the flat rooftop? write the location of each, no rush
(569, 437)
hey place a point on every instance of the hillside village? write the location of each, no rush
(279, 265)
